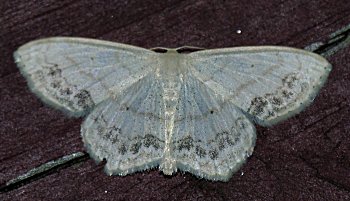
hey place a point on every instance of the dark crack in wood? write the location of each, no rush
(44, 170)
(338, 40)
(318, 175)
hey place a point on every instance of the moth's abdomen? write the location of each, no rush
(171, 89)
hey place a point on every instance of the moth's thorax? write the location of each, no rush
(171, 63)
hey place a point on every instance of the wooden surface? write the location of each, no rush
(306, 157)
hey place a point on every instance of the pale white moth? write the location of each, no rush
(170, 109)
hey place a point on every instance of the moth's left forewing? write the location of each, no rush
(270, 83)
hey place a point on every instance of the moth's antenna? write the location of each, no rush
(159, 49)
(188, 49)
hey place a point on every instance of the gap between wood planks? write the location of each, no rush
(337, 41)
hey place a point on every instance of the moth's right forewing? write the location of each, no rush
(75, 74)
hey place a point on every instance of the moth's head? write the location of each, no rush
(179, 50)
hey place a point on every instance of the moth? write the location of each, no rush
(168, 108)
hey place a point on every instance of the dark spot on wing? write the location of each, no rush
(100, 130)
(287, 94)
(55, 84)
(112, 134)
(224, 139)
(200, 151)
(240, 123)
(135, 147)
(122, 149)
(54, 72)
(66, 92)
(257, 105)
(290, 81)
(84, 99)
(213, 154)
(150, 140)
(276, 100)
(185, 143)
